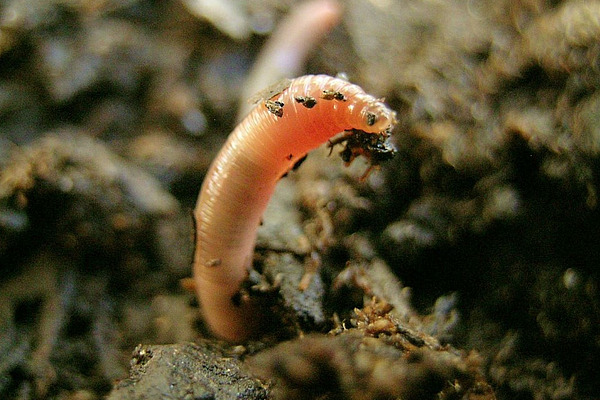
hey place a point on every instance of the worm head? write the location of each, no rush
(378, 117)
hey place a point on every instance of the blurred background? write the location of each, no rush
(111, 111)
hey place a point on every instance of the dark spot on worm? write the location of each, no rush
(236, 299)
(299, 162)
(275, 107)
(371, 119)
(296, 164)
(308, 101)
(333, 95)
(289, 157)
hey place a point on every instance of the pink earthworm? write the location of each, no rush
(267, 144)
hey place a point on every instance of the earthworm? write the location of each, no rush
(269, 142)
(285, 52)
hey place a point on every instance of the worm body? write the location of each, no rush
(263, 147)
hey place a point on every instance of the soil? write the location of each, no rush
(464, 268)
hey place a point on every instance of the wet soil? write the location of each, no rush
(464, 268)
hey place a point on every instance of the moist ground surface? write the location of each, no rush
(466, 267)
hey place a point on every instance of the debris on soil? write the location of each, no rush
(481, 233)
(378, 357)
(190, 370)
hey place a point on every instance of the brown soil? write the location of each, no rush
(465, 268)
